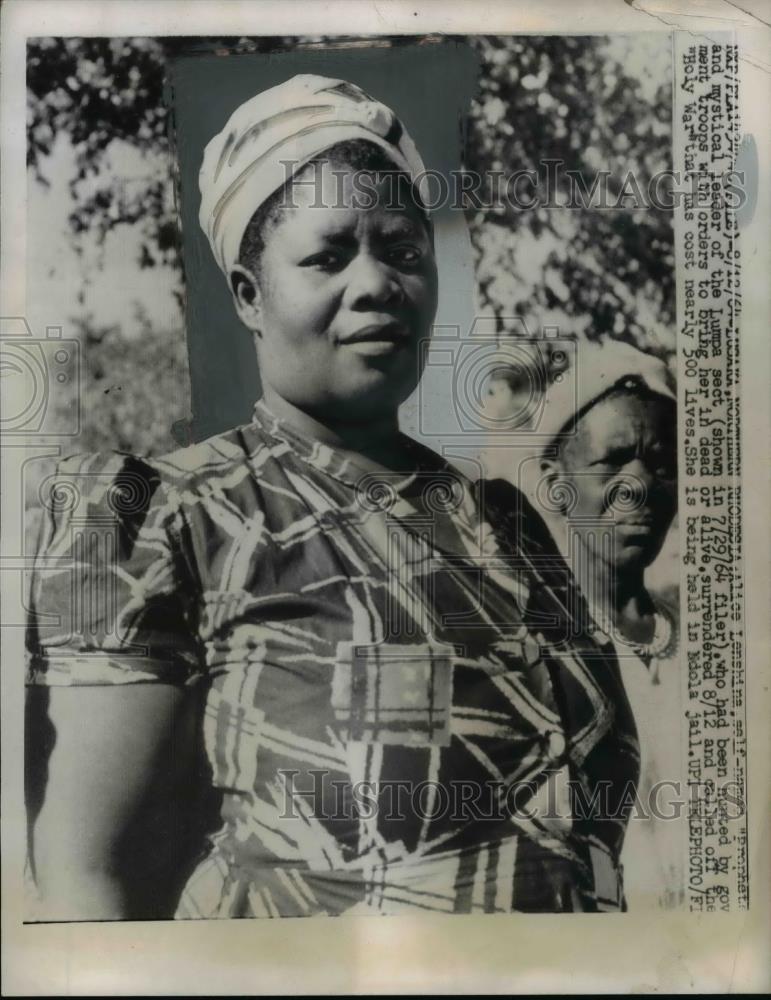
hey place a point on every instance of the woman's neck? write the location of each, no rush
(377, 440)
(618, 596)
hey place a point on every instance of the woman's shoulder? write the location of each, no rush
(507, 506)
(205, 462)
(127, 486)
(116, 484)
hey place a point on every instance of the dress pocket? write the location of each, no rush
(398, 695)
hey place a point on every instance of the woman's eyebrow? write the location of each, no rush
(614, 451)
(401, 223)
(337, 237)
(399, 229)
(388, 232)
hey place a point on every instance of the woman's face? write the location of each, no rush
(621, 465)
(344, 298)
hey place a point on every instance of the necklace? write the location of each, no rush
(662, 646)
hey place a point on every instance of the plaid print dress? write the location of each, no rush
(399, 707)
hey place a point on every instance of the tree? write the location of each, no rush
(103, 92)
(106, 95)
(571, 99)
(559, 98)
(605, 272)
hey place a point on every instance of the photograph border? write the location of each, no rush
(518, 953)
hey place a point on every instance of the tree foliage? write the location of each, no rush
(103, 92)
(569, 99)
(559, 98)
(123, 407)
(565, 98)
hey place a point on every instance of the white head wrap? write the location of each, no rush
(294, 121)
(593, 370)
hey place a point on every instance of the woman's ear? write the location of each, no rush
(246, 297)
(552, 477)
(550, 469)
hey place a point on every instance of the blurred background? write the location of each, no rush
(104, 247)
(105, 253)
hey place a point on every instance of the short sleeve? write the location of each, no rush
(111, 599)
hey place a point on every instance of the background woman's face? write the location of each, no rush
(621, 466)
(347, 294)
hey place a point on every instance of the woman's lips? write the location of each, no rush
(380, 338)
(646, 527)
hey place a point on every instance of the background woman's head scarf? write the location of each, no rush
(593, 371)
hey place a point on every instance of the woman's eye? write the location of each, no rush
(404, 255)
(324, 260)
(607, 463)
(661, 463)
(619, 458)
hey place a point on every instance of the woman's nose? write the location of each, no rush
(639, 472)
(629, 489)
(371, 282)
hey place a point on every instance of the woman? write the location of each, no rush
(389, 706)
(605, 475)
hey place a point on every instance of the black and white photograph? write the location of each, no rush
(376, 415)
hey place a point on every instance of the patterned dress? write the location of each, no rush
(399, 707)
